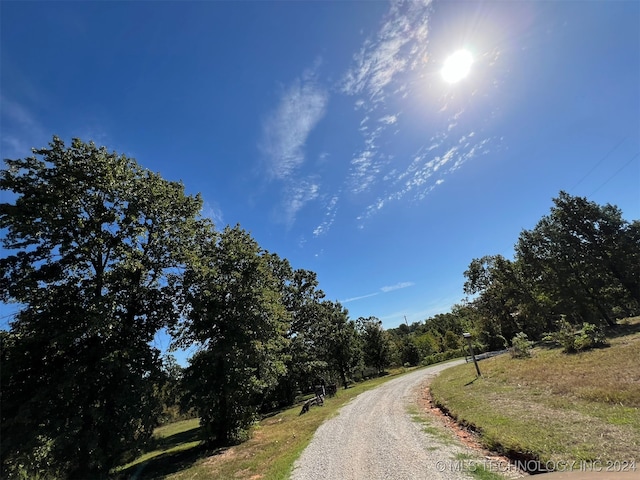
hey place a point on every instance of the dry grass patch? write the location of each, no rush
(553, 406)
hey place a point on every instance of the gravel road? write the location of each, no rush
(374, 438)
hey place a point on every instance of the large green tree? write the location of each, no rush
(338, 342)
(304, 363)
(496, 280)
(95, 249)
(584, 259)
(238, 318)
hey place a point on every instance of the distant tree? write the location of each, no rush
(95, 247)
(339, 344)
(169, 389)
(403, 329)
(304, 354)
(410, 353)
(428, 343)
(376, 344)
(451, 340)
(238, 318)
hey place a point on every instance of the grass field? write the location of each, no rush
(553, 407)
(269, 454)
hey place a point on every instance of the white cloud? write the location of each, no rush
(377, 73)
(397, 286)
(329, 217)
(284, 137)
(385, 289)
(213, 212)
(399, 44)
(362, 174)
(286, 130)
(353, 299)
(297, 195)
(389, 119)
(427, 169)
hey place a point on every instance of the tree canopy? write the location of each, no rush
(98, 245)
(237, 317)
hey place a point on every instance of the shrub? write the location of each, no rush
(590, 336)
(443, 356)
(520, 346)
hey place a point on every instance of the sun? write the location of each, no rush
(456, 66)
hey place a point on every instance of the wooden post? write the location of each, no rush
(475, 362)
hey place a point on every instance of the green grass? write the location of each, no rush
(275, 443)
(172, 445)
(553, 407)
(444, 437)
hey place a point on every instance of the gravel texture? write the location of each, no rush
(374, 437)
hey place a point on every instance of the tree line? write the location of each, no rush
(579, 265)
(102, 254)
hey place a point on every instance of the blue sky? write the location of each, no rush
(327, 130)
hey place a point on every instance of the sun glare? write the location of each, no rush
(456, 66)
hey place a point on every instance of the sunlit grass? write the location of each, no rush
(553, 406)
(276, 442)
(168, 440)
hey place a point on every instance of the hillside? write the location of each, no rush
(554, 409)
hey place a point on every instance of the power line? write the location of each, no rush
(616, 173)
(600, 161)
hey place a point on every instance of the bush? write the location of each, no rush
(521, 346)
(590, 336)
(442, 356)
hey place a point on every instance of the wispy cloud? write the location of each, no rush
(353, 299)
(389, 119)
(376, 74)
(329, 217)
(21, 130)
(397, 286)
(427, 170)
(296, 196)
(398, 45)
(385, 289)
(213, 212)
(286, 130)
(387, 71)
(284, 136)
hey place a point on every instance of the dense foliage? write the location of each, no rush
(237, 316)
(103, 254)
(99, 244)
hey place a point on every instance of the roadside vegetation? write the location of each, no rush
(553, 407)
(178, 452)
(101, 255)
